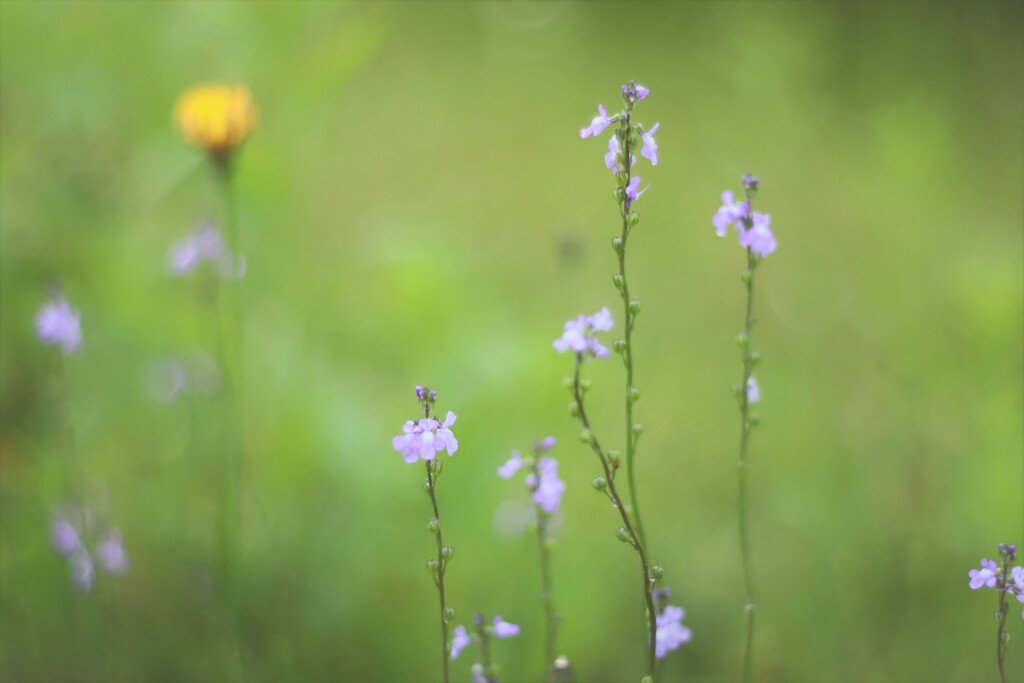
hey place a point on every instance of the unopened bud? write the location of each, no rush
(584, 384)
(447, 552)
(742, 340)
(619, 194)
(633, 395)
(614, 458)
(434, 525)
(574, 408)
(449, 612)
(746, 276)
(617, 243)
(638, 429)
(617, 280)
(623, 535)
(633, 218)
(586, 436)
(657, 571)
(600, 483)
(568, 382)
(634, 306)
(646, 679)
(619, 345)
(755, 358)
(433, 566)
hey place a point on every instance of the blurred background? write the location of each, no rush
(416, 207)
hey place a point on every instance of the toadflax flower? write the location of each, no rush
(1017, 587)
(650, 147)
(754, 229)
(579, 334)
(547, 492)
(753, 391)
(503, 629)
(216, 117)
(986, 576)
(631, 190)
(671, 633)
(598, 124)
(460, 639)
(58, 323)
(426, 437)
(729, 213)
(204, 243)
(73, 541)
(759, 237)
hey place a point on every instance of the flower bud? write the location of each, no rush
(755, 358)
(623, 535)
(618, 280)
(614, 458)
(632, 218)
(619, 346)
(633, 395)
(434, 525)
(746, 276)
(619, 194)
(638, 429)
(568, 382)
(426, 486)
(574, 408)
(584, 384)
(617, 244)
(657, 571)
(646, 679)
(433, 566)
(600, 483)
(634, 306)
(742, 340)
(586, 436)
(754, 419)
(447, 552)
(449, 612)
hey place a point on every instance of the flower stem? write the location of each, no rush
(741, 465)
(1001, 635)
(485, 651)
(546, 595)
(441, 562)
(634, 539)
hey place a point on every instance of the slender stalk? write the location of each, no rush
(441, 562)
(485, 651)
(742, 465)
(627, 353)
(634, 539)
(1001, 635)
(546, 594)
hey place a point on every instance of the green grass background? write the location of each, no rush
(417, 207)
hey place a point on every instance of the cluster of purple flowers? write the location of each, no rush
(425, 438)
(754, 228)
(548, 488)
(204, 243)
(613, 159)
(671, 633)
(579, 334)
(58, 323)
(499, 629)
(1006, 578)
(74, 541)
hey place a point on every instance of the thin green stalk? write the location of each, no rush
(485, 651)
(1002, 636)
(546, 594)
(742, 465)
(633, 537)
(441, 563)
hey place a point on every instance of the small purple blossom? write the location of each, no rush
(204, 243)
(425, 438)
(751, 182)
(642, 92)
(670, 631)
(58, 323)
(503, 629)
(548, 442)
(631, 190)
(509, 469)
(598, 124)
(64, 536)
(610, 160)
(753, 391)
(986, 576)
(460, 639)
(579, 334)
(729, 213)
(73, 543)
(650, 147)
(759, 238)
(110, 552)
(547, 493)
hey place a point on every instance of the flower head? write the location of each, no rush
(204, 243)
(631, 190)
(753, 391)
(216, 117)
(425, 438)
(547, 493)
(58, 323)
(986, 576)
(503, 629)
(650, 148)
(460, 639)
(759, 238)
(610, 160)
(598, 124)
(729, 213)
(64, 536)
(74, 541)
(548, 442)
(579, 334)
(509, 469)
(110, 552)
(671, 633)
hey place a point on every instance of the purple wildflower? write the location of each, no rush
(670, 631)
(204, 243)
(579, 334)
(58, 323)
(650, 148)
(753, 391)
(613, 150)
(460, 639)
(759, 237)
(82, 570)
(631, 190)
(642, 92)
(598, 124)
(503, 629)
(548, 442)
(73, 540)
(986, 576)
(110, 552)
(1017, 588)
(509, 469)
(64, 536)
(751, 182)
(425, 438)
(729, 213)
(547, 493)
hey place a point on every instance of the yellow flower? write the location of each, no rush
(216, 117)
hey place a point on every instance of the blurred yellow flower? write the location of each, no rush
(216, 117)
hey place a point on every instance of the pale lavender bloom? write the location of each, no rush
(579, 334)
(642, 92)
(729, 213)
(1018, 585)
(548, 492)
(202, 244)
(64, 536)
(509, 469)
(110, 552)
(425, 438)
(460, 639)
(549, 442)
(670, 631)
(598, 124)
(613, 150)
(650, 148)
(503, 629)
(753, 391)
(631, 190)
(759, 238)
(82, 571)
(58, 323)
(986, 576)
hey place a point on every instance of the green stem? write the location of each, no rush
(1001, 619)
(742, 466)
(609, 475)
(546, 595)
(431, 481)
